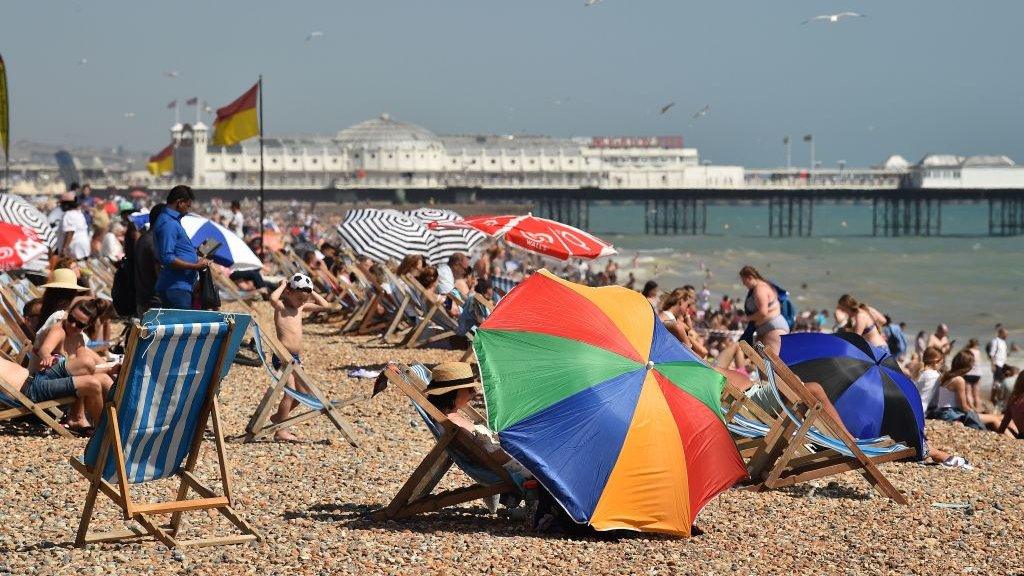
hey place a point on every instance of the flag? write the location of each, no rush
(172, 104)
(238, 120)
(162, 162)
(808, 137)
(192, 101)
(5, 126)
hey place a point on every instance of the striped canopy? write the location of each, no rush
(392, 235)
(449, 240)
(15, 210)
(618, 420)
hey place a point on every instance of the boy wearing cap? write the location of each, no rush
(290, 300)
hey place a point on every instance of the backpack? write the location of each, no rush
(123, 290)
(786, 307)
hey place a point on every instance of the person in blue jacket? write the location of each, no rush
(179, 261)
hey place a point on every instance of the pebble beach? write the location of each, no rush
(312, 502)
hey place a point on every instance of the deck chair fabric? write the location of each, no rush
(433, 323)
(777, 461)
(453, 446)
(153, 428)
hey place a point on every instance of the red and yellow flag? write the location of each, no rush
(5, 127)
(162, 162)
(238, 120)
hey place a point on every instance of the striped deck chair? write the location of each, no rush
(311, 405)
(503, 284)
(777, 461)
(454, 446)
(433, 323)
(16, 342)
(153, 427)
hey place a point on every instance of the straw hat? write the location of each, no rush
(449, 377)
(64, 278)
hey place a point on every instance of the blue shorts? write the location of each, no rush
(277, 361)
(50, 384)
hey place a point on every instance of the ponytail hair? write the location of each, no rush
(749, 271)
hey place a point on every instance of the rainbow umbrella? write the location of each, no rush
(615, 418)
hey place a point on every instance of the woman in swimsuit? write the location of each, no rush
(862, 319)
(763, 309)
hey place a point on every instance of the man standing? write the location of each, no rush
(449, 274)
(73, 231)
(237, 219)
(941, 340)
(179, 262)
(997, 353)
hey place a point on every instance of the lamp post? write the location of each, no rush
(809, 138)
(789, 153)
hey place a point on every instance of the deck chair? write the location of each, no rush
(477, 308)
(453, 446)
(433, 323)
(14, 404)
(15, 342)
(153, 426)
(310, 405)
(803, 424)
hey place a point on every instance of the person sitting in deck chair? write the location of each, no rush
(290, 300)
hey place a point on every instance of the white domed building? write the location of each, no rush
(958, 172)
(385, 152)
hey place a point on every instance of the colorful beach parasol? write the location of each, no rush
(869, 390)
(15, 210)
(540, 235)
(615, 418)
(18, 245)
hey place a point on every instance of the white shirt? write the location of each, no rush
(997, 351)
(704, 299)
(111, 248)
(445, 280)
(74, 221)
(238, 223)
(926, 385)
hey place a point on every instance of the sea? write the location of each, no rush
(963, 278)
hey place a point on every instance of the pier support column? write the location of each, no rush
(1006, 216)
(790, 216)
(893, 216)
(676, 216)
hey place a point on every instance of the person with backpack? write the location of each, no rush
(763, 307)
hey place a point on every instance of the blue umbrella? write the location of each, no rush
(232, 253)
(869, 390)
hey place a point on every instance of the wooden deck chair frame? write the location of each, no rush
(776, 462)
(414, 340)
(142, 513)
(738, 403)
(13, 320)
(416, 495)
(48, 412)
(477, 299)
(259, 425)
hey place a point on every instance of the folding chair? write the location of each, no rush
(454, 446)
(153, 428)
(14, 404)
(431, 314)
(777, 461)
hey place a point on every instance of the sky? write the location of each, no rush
(913, 77)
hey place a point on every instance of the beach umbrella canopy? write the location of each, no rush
(392, 235)
(18, 246)
(448, 240)
(232, 253)
(14, 210)
(616, 419)
(540, 235)
(869, 390)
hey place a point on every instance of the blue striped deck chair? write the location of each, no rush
(310, 405)
(153, 425)
(777, 462)
(453, 446)
(502, 284)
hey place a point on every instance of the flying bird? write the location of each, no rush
(590, 3)
(129, 114)
(83, 61)
(667, 107)
(702, 112)
(172, 74)
(314, 35)
(833, 18)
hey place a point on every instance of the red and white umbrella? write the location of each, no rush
(18, 245)
(539, 235)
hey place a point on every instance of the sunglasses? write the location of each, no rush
(76, 323)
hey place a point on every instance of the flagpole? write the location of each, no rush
(260, 111)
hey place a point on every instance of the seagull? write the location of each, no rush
(833, 18)
(314, 35)
(667, 107)
(590, 3)
(172, 73)
(560, 101)
(702, 112)
(83, 61)
(129, 114)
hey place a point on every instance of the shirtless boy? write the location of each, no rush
(292, 298)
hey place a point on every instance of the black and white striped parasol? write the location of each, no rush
(392, 235)
(14, 210)
(449, 240)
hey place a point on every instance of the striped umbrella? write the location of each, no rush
(392, 235)
(232, 253)
(449, 240)
(15, 210)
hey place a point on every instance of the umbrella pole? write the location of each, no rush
(260, 91)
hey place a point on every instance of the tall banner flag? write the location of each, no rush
(5, 126)
(239, 120)
(162, 162)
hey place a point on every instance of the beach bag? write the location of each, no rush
(208, 296)
(786, 307)
(123, 291)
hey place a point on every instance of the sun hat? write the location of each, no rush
(451, 376)
(64, 278)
